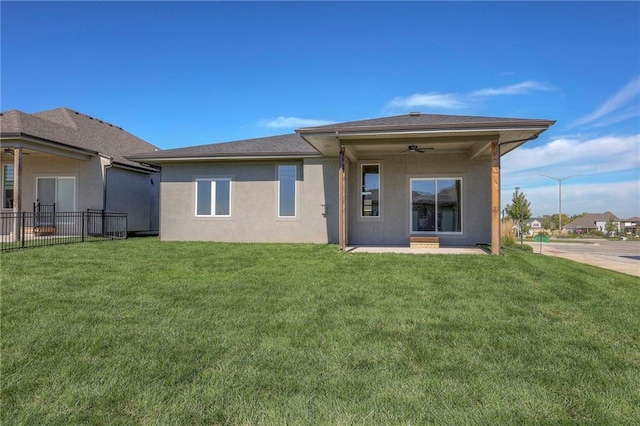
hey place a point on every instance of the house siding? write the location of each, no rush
(254, 203)
(134, 193)
(87, 174)
(392, 227)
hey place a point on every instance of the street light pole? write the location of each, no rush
(560, 180)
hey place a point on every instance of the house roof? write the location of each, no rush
(72, 130)
(467, 133)
(424, 122)
(435, 132)
(291, 145)
(589, 220)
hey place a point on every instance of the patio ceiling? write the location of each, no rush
(476, 143)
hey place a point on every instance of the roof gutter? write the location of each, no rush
(398, 128)
(233, 157)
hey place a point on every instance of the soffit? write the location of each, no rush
(474, 142)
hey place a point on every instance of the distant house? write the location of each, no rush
(535, 225)
(76, 162)
(630, 226)
(591, 222)
(383, 181)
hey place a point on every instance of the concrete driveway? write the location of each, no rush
(620, 256)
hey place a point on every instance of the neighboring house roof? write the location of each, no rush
(589, 220)
(534, 219)
(631, 219)
(74, 130)
(268, 147)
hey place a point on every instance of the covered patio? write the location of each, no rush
(420, 175)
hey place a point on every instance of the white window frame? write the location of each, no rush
(361, 187)
(461, 201)
(295, 195)
(213, 181)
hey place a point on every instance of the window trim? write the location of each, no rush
(295, 193)
(461, 202)
(361, 187)
(214, 185)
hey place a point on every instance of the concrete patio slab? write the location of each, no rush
(408, 250)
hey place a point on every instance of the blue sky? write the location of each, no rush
(182, 74)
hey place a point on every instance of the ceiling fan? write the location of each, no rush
(416, 148)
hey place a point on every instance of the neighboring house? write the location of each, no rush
(591, 222)
(630, 226)
(535, 225)
(77, 162)
(369, 182)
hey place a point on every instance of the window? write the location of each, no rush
(370, 200)
(60, 191)
(213, 197)
(436, 205)
(287, 176)
(7, 186)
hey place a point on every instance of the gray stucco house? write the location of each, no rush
(371, 182)
(78, 162)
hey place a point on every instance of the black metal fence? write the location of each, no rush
(46, 228)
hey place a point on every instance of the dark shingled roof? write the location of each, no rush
(73, 129)
(589, 220)
(281, 145)
(426, 121)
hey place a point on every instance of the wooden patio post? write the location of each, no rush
(342, 217)
(17, 191)
(495, 198)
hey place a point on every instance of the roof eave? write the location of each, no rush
(31, 140)
(220, 157)
(489, 125)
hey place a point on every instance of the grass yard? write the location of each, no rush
(144, 332)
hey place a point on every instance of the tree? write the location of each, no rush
(611, 227)
(565, 220)
(547, 222)
(519, 209)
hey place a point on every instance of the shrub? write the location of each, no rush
(508, 240)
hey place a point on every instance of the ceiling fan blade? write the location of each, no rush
(416, 148)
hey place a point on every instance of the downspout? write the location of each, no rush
(104, 183)
(342, 217)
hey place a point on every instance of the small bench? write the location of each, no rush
(424, 242)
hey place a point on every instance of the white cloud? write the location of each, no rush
(429, 100)
(616, 102)
(515, 89)
(605, 168)
(462, 100)
(573, 155)
(282, 122)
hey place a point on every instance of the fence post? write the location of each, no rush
(83, 225)
(104, 232)
(22, 228)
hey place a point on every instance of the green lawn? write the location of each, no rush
(148, 332)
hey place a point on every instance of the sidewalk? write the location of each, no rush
(612, 262)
